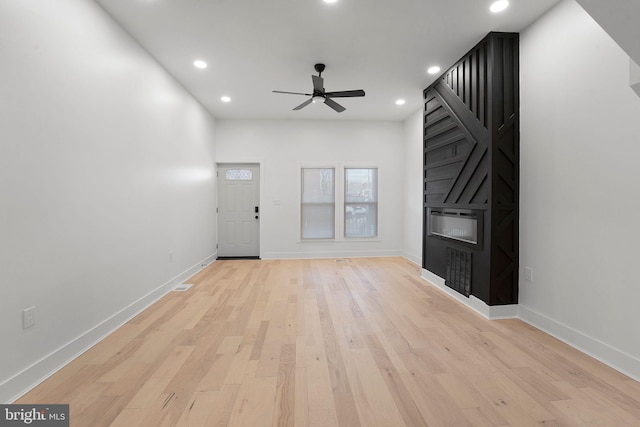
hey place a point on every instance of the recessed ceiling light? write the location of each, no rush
(225, 99)
(200, 64)
(330, 1)
(499, 6)
(433, 70)
(400, 102)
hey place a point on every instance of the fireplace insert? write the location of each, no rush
(459, 225)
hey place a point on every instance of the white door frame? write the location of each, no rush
(260, 190)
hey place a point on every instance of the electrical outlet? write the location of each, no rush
(528, 274)
(28, 317)
(170, 256)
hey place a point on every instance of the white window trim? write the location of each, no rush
(339, 176)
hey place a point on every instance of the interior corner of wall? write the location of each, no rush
(634, 76)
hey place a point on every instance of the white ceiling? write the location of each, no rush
(255, 46)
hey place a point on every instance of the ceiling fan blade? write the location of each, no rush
(304, 104)
(345, 94)
(333, 104)
(291, 93)
(318, 84)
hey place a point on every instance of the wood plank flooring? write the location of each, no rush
(362, 342)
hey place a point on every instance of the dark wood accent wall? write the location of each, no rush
(471, 161)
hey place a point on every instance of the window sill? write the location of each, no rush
(344, 240)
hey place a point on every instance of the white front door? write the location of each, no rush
(238, 211)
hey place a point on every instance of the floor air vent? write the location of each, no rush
(342, 260)
(183, 287)
(459, 271)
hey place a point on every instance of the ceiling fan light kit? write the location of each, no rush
(319, 94)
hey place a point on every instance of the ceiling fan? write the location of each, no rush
(319, 94)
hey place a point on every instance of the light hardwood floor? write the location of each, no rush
(362, 342)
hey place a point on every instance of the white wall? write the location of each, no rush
(106, 165)
(620, 20)
(284, 146)
(413, 186)
(580, 181)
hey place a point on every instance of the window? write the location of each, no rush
(353, 216)
(360, 202)
(318, 203)
(239, 175)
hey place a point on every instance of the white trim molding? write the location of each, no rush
(30, 377)
(610, 356)
(416, 259)
(332, 254)
(491, 312)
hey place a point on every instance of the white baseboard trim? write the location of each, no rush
(330, 254)
(22, 382)
(30, 377)
(610, 356)
(416, 259)
(491, 312)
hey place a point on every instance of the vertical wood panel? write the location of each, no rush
(473, 58)
(467, 82)
(509, 89)
(498, 82)
(482, 85)
(454, 79)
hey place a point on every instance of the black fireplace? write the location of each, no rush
(472, 171)
(458, 225)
